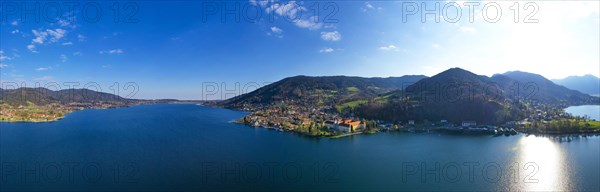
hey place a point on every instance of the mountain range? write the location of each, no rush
(538, 88)
(586, 84)
(323, 90)
(44, 96)
(454, 95)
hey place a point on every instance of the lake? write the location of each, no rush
(190, 147)
(592, 111)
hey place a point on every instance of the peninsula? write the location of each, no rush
(45, 105)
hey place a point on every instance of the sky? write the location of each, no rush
(216, 50)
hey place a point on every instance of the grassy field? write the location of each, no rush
(352, 89)
(593, 124)
(351, 105)
(571, 126)
(383, 99)
(588, 124)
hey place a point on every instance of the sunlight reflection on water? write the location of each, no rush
(541, 165)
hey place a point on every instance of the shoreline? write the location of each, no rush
(438, 131)
(530, 131)
(39, 121)
(592, 132)
(47, 121)
(75, 110)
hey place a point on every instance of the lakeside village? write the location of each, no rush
(318, 122)
(50, 112)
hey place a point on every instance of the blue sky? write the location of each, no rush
(170, 49)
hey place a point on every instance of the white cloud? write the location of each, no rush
(81, 38)
(436, 46)
(262, 3)
(113, 34)
(276, 30)
(56, 34)
(368, 6)
(112, 51)
(45, 78)
(310, 23)
(67, 43)
(40, 37)
(31, 48)
(63, 58)
(326, 50)
(388, 48)
(42, 69)
(292, 12)
(52, 35)
(468, 29)
(65, 23)
(15, 31)
(3, 57)
(78, 53)
(460, 3)
(14, 23)
(331, 36)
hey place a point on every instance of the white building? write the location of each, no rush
(469, 123)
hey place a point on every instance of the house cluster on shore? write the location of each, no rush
(50, 112)
(32, 113)
(295, 119)
(346, 125)
(324, 121)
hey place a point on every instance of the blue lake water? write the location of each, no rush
(592, 111)
(189, 147)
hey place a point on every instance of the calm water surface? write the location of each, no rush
(189, 147)
(592, 111)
